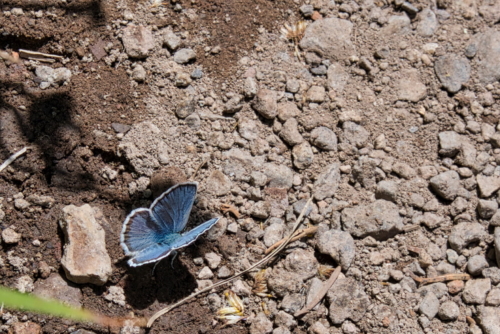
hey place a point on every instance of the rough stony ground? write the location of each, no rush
(387, 116)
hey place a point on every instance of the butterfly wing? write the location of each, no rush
(173, 207)
(159, 251)
(139, 231)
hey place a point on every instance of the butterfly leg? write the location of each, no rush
(174, 255)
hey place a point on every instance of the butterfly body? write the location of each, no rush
(149, 235)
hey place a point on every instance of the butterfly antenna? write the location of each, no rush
(153, 272)
(174, 255)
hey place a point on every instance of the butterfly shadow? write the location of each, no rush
(168, 282)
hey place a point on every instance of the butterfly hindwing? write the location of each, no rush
(173, 207)
(157, 252)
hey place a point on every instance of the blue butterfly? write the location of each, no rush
(149, 235)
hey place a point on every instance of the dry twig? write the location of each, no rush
(296, 236)
(252, 267)
(442, 278)
(324, 289)
(230, 208)
(13, 157)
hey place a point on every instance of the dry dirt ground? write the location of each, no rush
(394, 111)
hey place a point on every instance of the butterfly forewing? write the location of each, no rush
(139, 230)
(173, 207)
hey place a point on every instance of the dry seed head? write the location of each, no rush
(260, 284)
(234, 312)
(325, 272)
(294, 32)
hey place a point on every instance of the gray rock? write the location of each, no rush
(324, 138)
(10, 237)
(387, 190)
(488, 44)
(493, 297)
(287, 110)
(85, 258)
(284, 319)
(43, 201)
(224, 272)
(306, 10)
(139, 73)
(205, 273)
(337, 77)
(279, 176)
(251, 87)
(476, 264)
(233, 105)
(453, 71)
(138, 41)
(355, 134)
(213, 260)
(427, 23)
(182, 79)
(486, 209)
(403, 170)
(261, 210)
(497, 244)
(171, 40)
(274, 233)
(292, 85)
(219, 183)
(282, 282)
(397, 24)
(429, 305)
(475, 291)
(347, 300)
(265, 103)
(438, 289)
(302, 263)
(493, 273)
(302, 155)
(56, 288)
(465, 233)
(446, 185)
(184, 56)
(261, 324)
(290, 132)
(185, 106)
(488, 319)
(379, 219)
(330, 37)
(338, 244)
(327, 182)
(410, 87)
(316, 94)
(291, 303)
(248, 129)
(428, 219)
(487, 185)
(450, 143)
(449, 311)
(193, 121)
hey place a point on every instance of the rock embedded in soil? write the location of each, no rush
(330, 37)
(446, 184)
(85, 258)
(476, 290)
(265, 103)
(488, 44)
(184, 56)
(347, 300)
(449, 311)
(261, 324)
(487, 184)
(355, 134)
(488, 319)
(302, 155)
(327, 182)
(410, 87)
(290, 132)
(9, 236)
(465, 233)
(429, 305)
(55, 287)
(453, 71)
(427, 23)
(324, 138)
(380, 220)
(218, 183)
(338, 244)
(138, 41)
